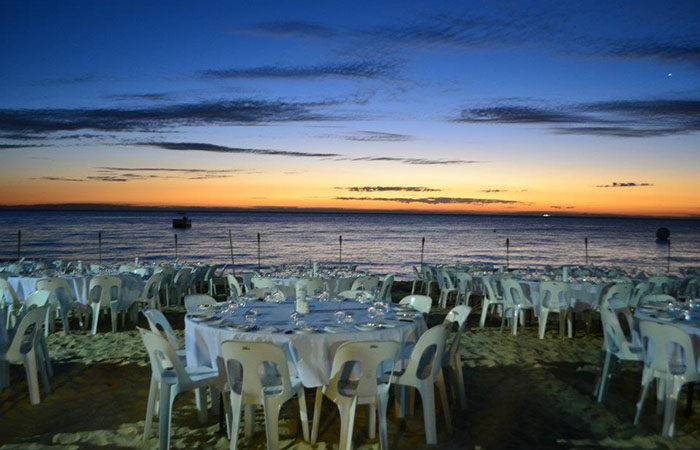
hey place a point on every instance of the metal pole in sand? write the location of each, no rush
(340, 249)
(422, 249)
(99, 245)
(175, 245)
(585, 243)
(668, 262)
(507, 252)
(258, 250)
(19, 242)
(230, 246)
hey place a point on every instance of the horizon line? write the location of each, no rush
(295, 209)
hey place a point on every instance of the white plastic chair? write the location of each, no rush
(617, 295)
(465, 284)
(105, 292)
(26, 350)
(447, 287)
(429, 278)
(194, 301)
(658, 299)
(640, 290)
(62, 299)
(417, 279)
(659, 285)
(11, 308)
(347, 388)
(423, 372)
(421, 303)
(234, 288)
(516, 301)
(452, 361)
(174, 378)
(262, 283)
(616, 346)
(385, 290)
(311, 285)
(258, 374)
(182, 284)
(555, 297)
(491, 299)
(669, 371)
(368, 284)
(150, 294)
(158, 323)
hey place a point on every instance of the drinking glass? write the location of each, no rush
(251, 317)
(339, 317)
(349, 320)
(372, 314)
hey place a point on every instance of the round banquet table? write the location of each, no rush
(310, 355)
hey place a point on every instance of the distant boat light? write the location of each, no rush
(545, 215)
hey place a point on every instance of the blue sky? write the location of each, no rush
(542, 103)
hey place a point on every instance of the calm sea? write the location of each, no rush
(378, 242)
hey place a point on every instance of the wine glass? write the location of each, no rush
(349, 320)
(251, 317)
(372, 315)
(340, 317)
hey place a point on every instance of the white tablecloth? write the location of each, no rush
(584, 295)
(310, 355)
(335, 285)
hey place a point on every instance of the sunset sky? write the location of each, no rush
(558, 107)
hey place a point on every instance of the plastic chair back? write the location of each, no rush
(194, 301)
(151, 291)
(165, 364)
(662, 337)
(656, 298)
(365, 283)
(555, 295)
(491, 291)
(312, 285)
(26, 336)
(249, 366)
(104, 289)
(422, 303)
(513, 293)
(619, 294)
(61, 293)
(639, 291)
(157, 319)
(364, 357)
(427, 355)
(260, 282)
(659, 285)
(234, 287)
(614, 339)
(385, 291)
(458, 315)
(5, 288)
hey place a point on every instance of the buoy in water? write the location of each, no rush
(662, 234)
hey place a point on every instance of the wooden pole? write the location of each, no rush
(258, 250)
(668, 262)
(585, 242)
(340, 249)
(19, 242)
(175, 245)
(507, 252)
(422, 250)
(99, 245)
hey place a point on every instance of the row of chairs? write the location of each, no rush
(238, 373)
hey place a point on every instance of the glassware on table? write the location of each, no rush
(324, 296)
(251, 317)
(372, 315)
(339, 317)
(297, 320)
(361, 297)
(382, 308)
(349, 320)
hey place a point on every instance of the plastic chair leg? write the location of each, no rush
(4, 375)
(113, 313)
(459, 381)
(249, 421)
(235, 419)
(166, 407)
(200, 399)
(673, 388)
(440, 381)
(42, 370)
(484, 311)
(544, 313)
(29, 361)
(272, 413)
(317, 415)
(382, 403)
(347, 422)
(427, 394)
(95, 306)
(660, 395)
(640, 403)
(372, 420)
(149, 408)
(303, 413)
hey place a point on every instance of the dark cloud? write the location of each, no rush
(358, 69)
(616, 184)
(371, 136)
(561, 207)
(416, 161)
(490, 191)
(78, 79)
(17, 146)
(59, 179)
(388, 188)
(202, 147)
(231, 112)
(516, 114)
(107, 178)
(290, 28)
(151, 96)
(623, 118)
(687, 50)
(432, 200)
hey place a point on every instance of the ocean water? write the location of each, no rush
(379, 242)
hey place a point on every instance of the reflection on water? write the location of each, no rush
(379, 242)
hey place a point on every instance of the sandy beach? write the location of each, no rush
(522, 392)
